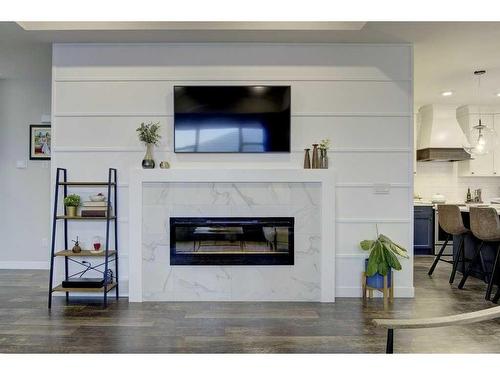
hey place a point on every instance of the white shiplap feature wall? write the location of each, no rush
(359, 95)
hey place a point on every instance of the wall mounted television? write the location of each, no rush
(231, 119)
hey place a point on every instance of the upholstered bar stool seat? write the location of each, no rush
(485, 225)
(450, 221)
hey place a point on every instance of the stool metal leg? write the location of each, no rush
(389, 349)
(438, 256)
(460, 254)
(486, 277)
(470, 266)
(492, 276)
(497, 296)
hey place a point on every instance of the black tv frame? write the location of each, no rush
(234, 152)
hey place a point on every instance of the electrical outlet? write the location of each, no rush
(381, 188)
(21, 164)
(45, 242)
(45, 119)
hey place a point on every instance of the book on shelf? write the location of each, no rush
(94, 212)
(94, 204)
(103, 208)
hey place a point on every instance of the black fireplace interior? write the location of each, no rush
(231, 241)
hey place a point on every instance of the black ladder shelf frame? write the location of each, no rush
(109, 255)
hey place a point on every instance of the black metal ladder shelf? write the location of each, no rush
(109, 255)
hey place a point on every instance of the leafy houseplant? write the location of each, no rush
(149, 134)
(384, 255)
(72, 202)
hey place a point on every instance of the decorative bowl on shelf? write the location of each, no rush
(97, 198)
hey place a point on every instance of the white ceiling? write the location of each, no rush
(188, 26)
(446, 53)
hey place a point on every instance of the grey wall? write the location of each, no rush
(25, 95)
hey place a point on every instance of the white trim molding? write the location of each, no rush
(20, 265)
(324, 177)
(363, 220)
(297, 114)
(344, 150)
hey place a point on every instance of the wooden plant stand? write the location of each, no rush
(388, 292)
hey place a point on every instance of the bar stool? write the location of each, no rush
(485, 225)
(450, 220)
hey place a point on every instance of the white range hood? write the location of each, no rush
(440, 137)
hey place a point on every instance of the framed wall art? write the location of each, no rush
(40, 142)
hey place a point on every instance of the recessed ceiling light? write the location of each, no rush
(447, 93)
(498, 94)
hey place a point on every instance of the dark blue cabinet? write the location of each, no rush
(423, 230)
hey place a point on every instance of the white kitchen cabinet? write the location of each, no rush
(483, 165)
(416, 129)
(496, 153)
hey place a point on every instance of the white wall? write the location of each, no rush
(25, 95)
(358, 95)
(443, 178)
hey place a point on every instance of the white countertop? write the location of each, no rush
(417, 203)
(464, 207)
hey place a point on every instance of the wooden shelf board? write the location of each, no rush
(84, 218)
(83, 253)
(59, 288)
(76, 183)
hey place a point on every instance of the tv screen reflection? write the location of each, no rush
(232, 119)
(220, 135)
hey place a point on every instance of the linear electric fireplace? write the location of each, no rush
(231, 241)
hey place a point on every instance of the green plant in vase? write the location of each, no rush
(324, 146)
(149, 134)
(72, 202)
(383, 257)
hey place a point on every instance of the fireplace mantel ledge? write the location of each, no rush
(323, 176)
(231, 175)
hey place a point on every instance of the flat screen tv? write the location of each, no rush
(235, 119)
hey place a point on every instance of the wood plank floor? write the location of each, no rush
(26, 326)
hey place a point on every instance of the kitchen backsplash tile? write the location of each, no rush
(442, 177)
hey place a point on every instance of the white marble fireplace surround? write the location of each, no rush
(307, 195)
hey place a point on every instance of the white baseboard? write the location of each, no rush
(19, 265)
(399, 292)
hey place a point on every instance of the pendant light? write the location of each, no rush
(482, 139)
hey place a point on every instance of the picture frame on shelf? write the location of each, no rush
(40, 142)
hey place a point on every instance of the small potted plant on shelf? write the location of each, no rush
(149, 134)
(383, 257)
(72, 202)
